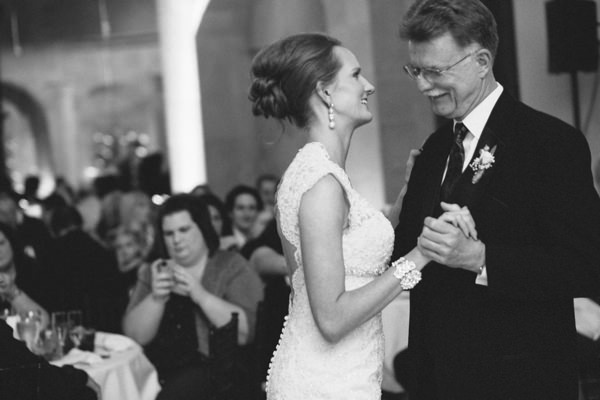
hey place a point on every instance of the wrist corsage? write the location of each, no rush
(406, 272)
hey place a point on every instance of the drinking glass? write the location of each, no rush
(5, 313)
(75, 327)
(48, 345)
(74, 318)
(28, 328)
(87, 339)
(60, 325)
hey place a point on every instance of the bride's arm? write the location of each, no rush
(322, 216)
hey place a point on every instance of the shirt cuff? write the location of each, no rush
(482, 278)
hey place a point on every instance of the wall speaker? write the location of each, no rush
(572, 36)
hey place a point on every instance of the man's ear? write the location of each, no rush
(484, 58)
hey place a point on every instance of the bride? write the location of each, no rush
(336, 245)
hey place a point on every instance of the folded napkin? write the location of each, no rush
(12, 320)
(76, 356)
(113, 342)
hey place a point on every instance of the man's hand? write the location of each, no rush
(451, 240)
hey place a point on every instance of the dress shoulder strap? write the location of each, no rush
(311, 164)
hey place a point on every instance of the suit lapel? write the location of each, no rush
(439, 153)
(468, 191)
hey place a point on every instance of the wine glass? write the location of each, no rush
(74, 318)
(75, 327)
(5, 313)
(48, 345)
(60, 325)
(28, 328)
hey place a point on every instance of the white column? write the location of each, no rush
(178, 22)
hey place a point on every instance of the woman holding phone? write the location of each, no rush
(179, 297)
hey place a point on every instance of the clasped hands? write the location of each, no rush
(168, 277)
(452, 240)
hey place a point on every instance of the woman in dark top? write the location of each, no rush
(177, 300)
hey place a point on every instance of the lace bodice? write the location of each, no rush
(305, 365)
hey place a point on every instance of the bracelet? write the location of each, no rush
(406, 272)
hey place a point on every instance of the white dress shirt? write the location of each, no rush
(475, 122)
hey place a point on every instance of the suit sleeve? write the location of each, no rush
(564, 260)
(53, 382)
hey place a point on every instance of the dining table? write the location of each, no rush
(118, 365)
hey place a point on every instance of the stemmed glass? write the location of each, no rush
(60, 325)
(4, 313)
(28, 329)
(75, 327)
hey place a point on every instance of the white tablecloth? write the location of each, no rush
(123, 374)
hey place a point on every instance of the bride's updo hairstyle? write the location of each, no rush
(285, 75)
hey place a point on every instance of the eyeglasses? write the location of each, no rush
(431, 74)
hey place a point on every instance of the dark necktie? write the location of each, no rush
(455, 161)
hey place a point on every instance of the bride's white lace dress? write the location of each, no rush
(305, 366)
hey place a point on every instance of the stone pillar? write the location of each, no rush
(178, 23)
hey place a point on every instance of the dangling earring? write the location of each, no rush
(331, 116)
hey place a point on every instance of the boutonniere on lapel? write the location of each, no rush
(483, 162)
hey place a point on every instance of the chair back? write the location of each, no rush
(225, 359)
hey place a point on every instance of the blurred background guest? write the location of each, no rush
(136, 209)
(85, 273)
(31, 186)
(178, 298)
(31, 234)
(201, 189)
(108, 191)
(132, 248)
(242, 204)
(63, 189)
(89, 206)
(266, 185)
(17, 285)
(216, 209)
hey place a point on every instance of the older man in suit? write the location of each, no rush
(493, 316)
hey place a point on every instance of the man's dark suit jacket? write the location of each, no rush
(538, 214)
(25, 376)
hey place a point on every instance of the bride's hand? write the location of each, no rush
(460, 217)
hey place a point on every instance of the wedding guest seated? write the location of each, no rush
(136, 209)
(178, 298)
(216, 209)
(31, 233)
(203, 188)
(15, 279)
(22, 374)
(86, 274)
(266, 185)
(131, 248)
(242, 204)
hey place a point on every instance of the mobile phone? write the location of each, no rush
(163, 266)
